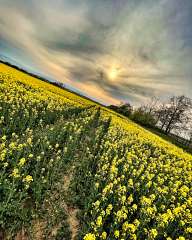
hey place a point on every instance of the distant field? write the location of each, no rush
(71, 169)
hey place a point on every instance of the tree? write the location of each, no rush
(124, 109)
(143, 117)
(190, 137)
(174, 113)
(161, 116)
(151, 106)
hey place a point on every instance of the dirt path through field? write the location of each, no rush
(39, 226)
(59, 216)
(71, 211)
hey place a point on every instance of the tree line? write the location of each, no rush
(172, 116)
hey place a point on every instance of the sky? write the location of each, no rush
(111, 50)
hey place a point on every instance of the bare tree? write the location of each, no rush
(190, 137)
(151, 106)
(175, 113)
(161, 116)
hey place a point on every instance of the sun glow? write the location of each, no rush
(113, 73)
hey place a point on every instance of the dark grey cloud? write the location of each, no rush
(147, 43)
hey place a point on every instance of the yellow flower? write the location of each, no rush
(108, 209)
(96, 204)
(99, 221)
(5, 164)
(15, 173)
(12, 145)
(89, 236)
(188, 230)
(123, 199)
(28, 179)
(29, 140)
(153, 233)
(131, 228)
(4, 138)
(130, 182)
(136, 222)
(133, 236)
(104, 235)
(134, 207)
(116, 233)
(56, 145)
(130, 199)
(22, 162)
(125, 226)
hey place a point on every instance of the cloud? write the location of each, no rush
(79, 42)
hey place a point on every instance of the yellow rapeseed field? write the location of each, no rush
(126, 182)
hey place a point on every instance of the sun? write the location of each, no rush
(113, 73)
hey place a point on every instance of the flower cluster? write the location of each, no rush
(142, 187)
(40, 126)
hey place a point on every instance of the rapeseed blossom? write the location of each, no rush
(89, 236)
(28, 179)
(142, 186)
